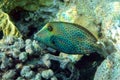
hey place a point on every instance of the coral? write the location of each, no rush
(15, 59)
(27, 5)
(5, 62)
(54, 78)
(72, 57)
(34, 8)
(23, 56)
(47, 74)
(9, 75)
(110, 68)
(8, 28)
(32, 21)
(109, 15)
(37, 77)
(27, 72)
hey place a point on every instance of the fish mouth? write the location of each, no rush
(36, 37)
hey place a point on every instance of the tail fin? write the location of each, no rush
(105, 48)
(101, 49)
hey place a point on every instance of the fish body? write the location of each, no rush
(68, 38)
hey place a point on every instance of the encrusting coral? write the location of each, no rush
(109, 69)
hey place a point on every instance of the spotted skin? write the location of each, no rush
(67, 37)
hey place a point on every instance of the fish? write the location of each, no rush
(67, 37)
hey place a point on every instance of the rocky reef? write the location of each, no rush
(109, 69)
(23, 58)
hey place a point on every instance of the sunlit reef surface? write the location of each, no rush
(23, 58)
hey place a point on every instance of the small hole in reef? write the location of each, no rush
(100, 34)
(87, 65)
(62, 0)
(53, 41)
(100, 24)
(17, 13)
(22, 49)
(41, 20)
(1, 34)
(91, 0)
(32, 30)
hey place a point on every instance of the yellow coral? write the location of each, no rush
(8, 28)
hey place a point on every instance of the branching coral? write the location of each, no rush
(28, 60)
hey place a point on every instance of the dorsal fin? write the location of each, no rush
(81, 27)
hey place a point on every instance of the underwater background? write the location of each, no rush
(59, 39)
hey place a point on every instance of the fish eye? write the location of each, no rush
(50, 28)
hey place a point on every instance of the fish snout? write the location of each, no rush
(35, 37)
(40, 35)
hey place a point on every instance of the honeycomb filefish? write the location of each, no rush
(68, 38)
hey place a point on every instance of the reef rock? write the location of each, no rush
(109, 68)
